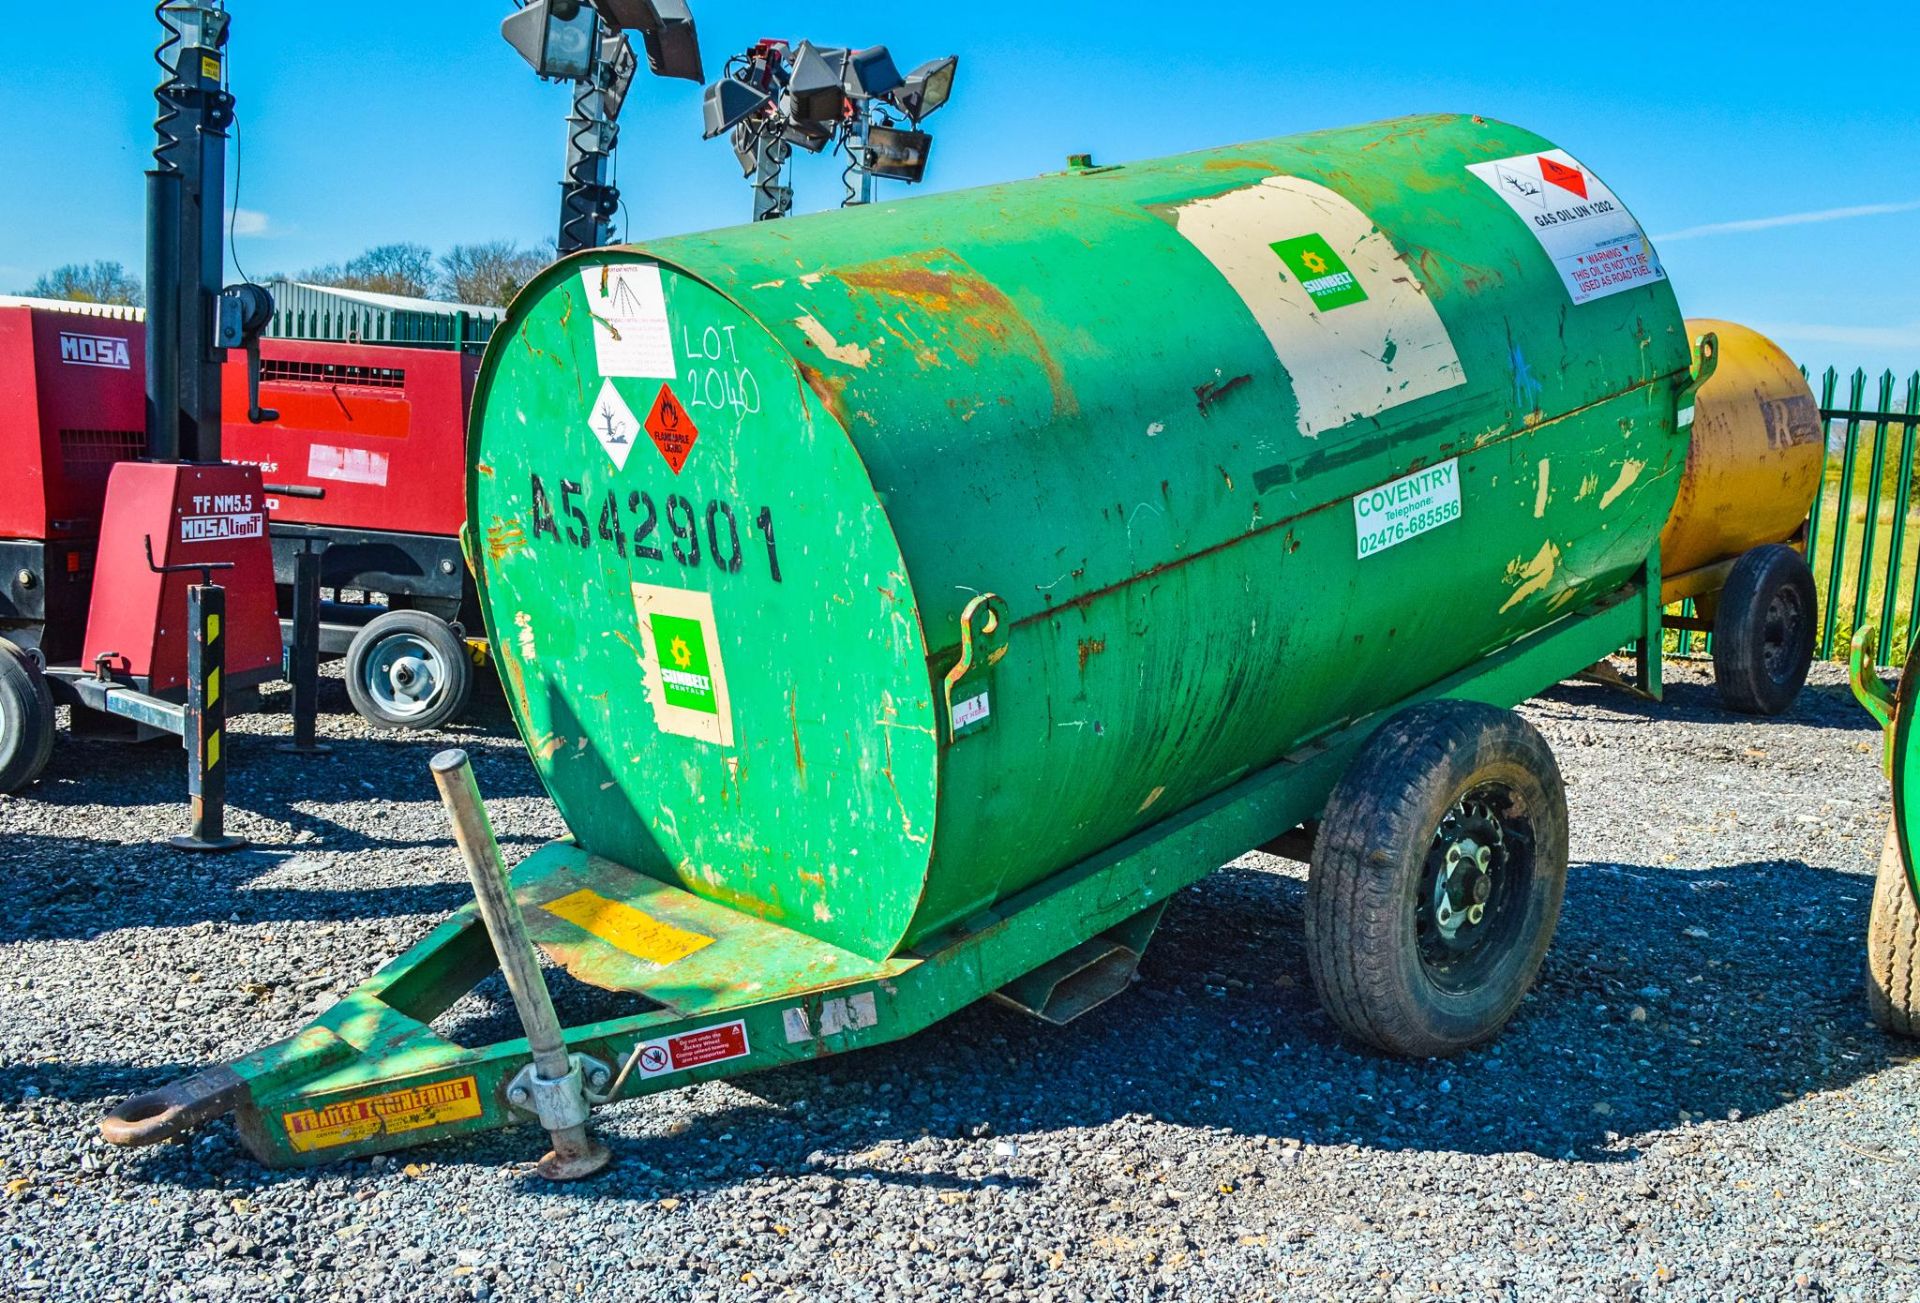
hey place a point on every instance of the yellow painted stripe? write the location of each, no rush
(625, 928)
(213, 687)
(213, 748)
(213, 628)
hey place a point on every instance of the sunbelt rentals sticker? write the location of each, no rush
(1407, 507)
(680, 653)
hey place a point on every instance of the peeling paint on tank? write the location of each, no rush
(821, 338)
(1629, 472)
(1532, 576)
(1540, 494)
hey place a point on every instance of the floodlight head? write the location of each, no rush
(869, 74)
(556, 47)
(895, 154)
(810, 136)
(666, 29)
(615, 72)
(926, 88)
(814, 92)
(730, 102)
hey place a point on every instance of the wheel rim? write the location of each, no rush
(405, 675)
(1471, 901)
(1780, 635)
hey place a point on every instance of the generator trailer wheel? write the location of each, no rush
(1893, 946)
(26, 718)
(1763, 633)
(408, 669)
(1436, 879)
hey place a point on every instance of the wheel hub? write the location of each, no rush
(404, 675)
(1471, 856)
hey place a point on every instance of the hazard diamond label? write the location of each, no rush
(613, 424)
(1567, 178)
(672, 429)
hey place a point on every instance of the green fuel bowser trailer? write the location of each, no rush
(901, 605)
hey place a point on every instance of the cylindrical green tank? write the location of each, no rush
(1213, 454)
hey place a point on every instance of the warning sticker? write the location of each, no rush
(680, 655)
(625, 928)
(1407, 507)
(673, 431)
(1594, 242)
(397, 1111)
(630, 332)
(1346, 315)
(346, 465)
(614, 424)
(693, 1049)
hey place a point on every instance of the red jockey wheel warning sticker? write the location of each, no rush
(672, 429)
(693, 1049)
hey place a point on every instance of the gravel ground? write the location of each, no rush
(1690, 1105)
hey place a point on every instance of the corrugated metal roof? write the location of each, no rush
(328, 312)
(112, 311)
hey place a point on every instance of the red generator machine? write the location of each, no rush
(98, 550)
(367, 462)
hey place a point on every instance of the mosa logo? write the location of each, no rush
(95, 350)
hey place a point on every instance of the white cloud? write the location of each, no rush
(1788, 219)
(248, 221)
(1896, 337)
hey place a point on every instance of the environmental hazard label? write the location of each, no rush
(680, 655)
(631, 336)
(613, 424)
(1407, 507)
(1594, 242)
(672, 430)
(412, 1109)
(693, 1049)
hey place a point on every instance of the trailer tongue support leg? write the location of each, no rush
(554, 1084)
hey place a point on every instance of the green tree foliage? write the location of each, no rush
(90, 282)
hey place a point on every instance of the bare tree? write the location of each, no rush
(90, 282)
(492, 272)
(405, 269)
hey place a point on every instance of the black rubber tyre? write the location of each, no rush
(1396, 963)
(26, 719)
(407, 669)
(1763, 633)
(1893, 947)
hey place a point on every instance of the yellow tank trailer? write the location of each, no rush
(1735, 539)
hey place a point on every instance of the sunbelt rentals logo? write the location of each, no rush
(686, 679)
(1321, 272)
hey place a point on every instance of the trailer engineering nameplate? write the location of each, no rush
(397, 1111)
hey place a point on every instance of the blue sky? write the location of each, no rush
(1776, 164)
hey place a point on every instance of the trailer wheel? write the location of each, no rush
(26, 719)
(1436, 879)
(1763, 633)
(408, 669)
(1893, 947)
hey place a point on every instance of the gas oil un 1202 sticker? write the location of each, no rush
(1594, 242)
(1345, 313)
(680, 655)
(631, 336)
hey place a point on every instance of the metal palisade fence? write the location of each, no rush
(1865, 558)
